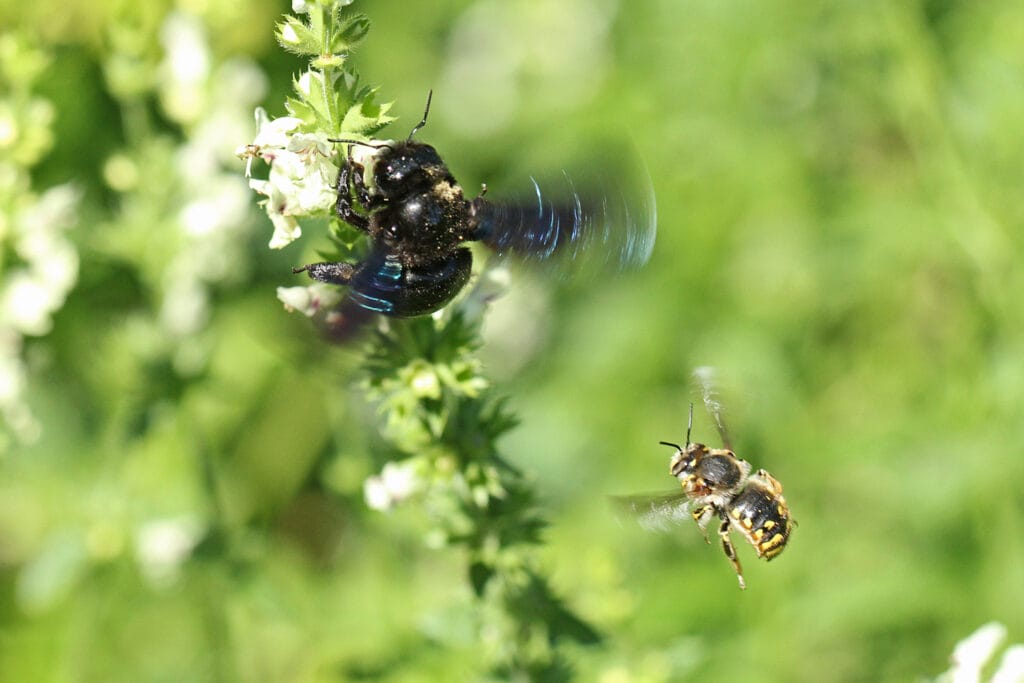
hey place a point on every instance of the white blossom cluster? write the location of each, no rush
(396, 482)
(212, 103)
(33, 289)
(976, 652)
(301, 178)
(300, 182)
(38, 263)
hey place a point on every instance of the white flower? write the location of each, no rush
(8, 126)
(301, 178)
(974, 653)
(288, 34)
(26, 303)
(1011, 667)
(12, 370)
(163, 545)
(304, 83)
(185, 68)
(30, 295)
(286, 228)
(309, 300)
(185, 308)
(221, 205)
(13, 379)
(395, 483)
(274, 133)
(49, 216)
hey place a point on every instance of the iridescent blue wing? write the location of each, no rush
(602, 227)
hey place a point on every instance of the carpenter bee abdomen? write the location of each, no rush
(384, 285)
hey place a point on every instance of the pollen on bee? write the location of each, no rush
(446, 190)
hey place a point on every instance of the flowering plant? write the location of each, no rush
(437, 407)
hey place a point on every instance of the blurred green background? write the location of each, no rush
(840, 210)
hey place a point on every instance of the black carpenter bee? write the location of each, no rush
(716, 483)
(419, 220)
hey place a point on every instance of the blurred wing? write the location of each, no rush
(706, 380)
(655, 512)
(599, 227)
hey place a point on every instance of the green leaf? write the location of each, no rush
(349, 33)
(52, 574)
(479, 575)
(366, 117)
(301, 110)
(323, 101)
(296, 37)
(537, 602)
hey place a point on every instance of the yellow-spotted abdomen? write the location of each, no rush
(759, 512)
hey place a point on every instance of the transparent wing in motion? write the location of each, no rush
(706, 380)
(657, 512)
(581, 226)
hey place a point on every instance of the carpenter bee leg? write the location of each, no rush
(333, 273)
(730, 551)
(358, 184)
(347, 176)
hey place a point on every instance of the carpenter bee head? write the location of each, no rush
(407, 168)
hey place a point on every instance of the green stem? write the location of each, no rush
(327, 72)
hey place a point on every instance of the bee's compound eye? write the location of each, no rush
(680, 463)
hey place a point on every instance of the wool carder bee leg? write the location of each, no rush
(702, 515)
(730, 550)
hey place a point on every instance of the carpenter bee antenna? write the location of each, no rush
(426, 110)
(359, 142)
(673, 445)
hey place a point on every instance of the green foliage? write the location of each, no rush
(437, 408)
(426, 380)
(184, 486)
(326, 34)
(329, 97)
